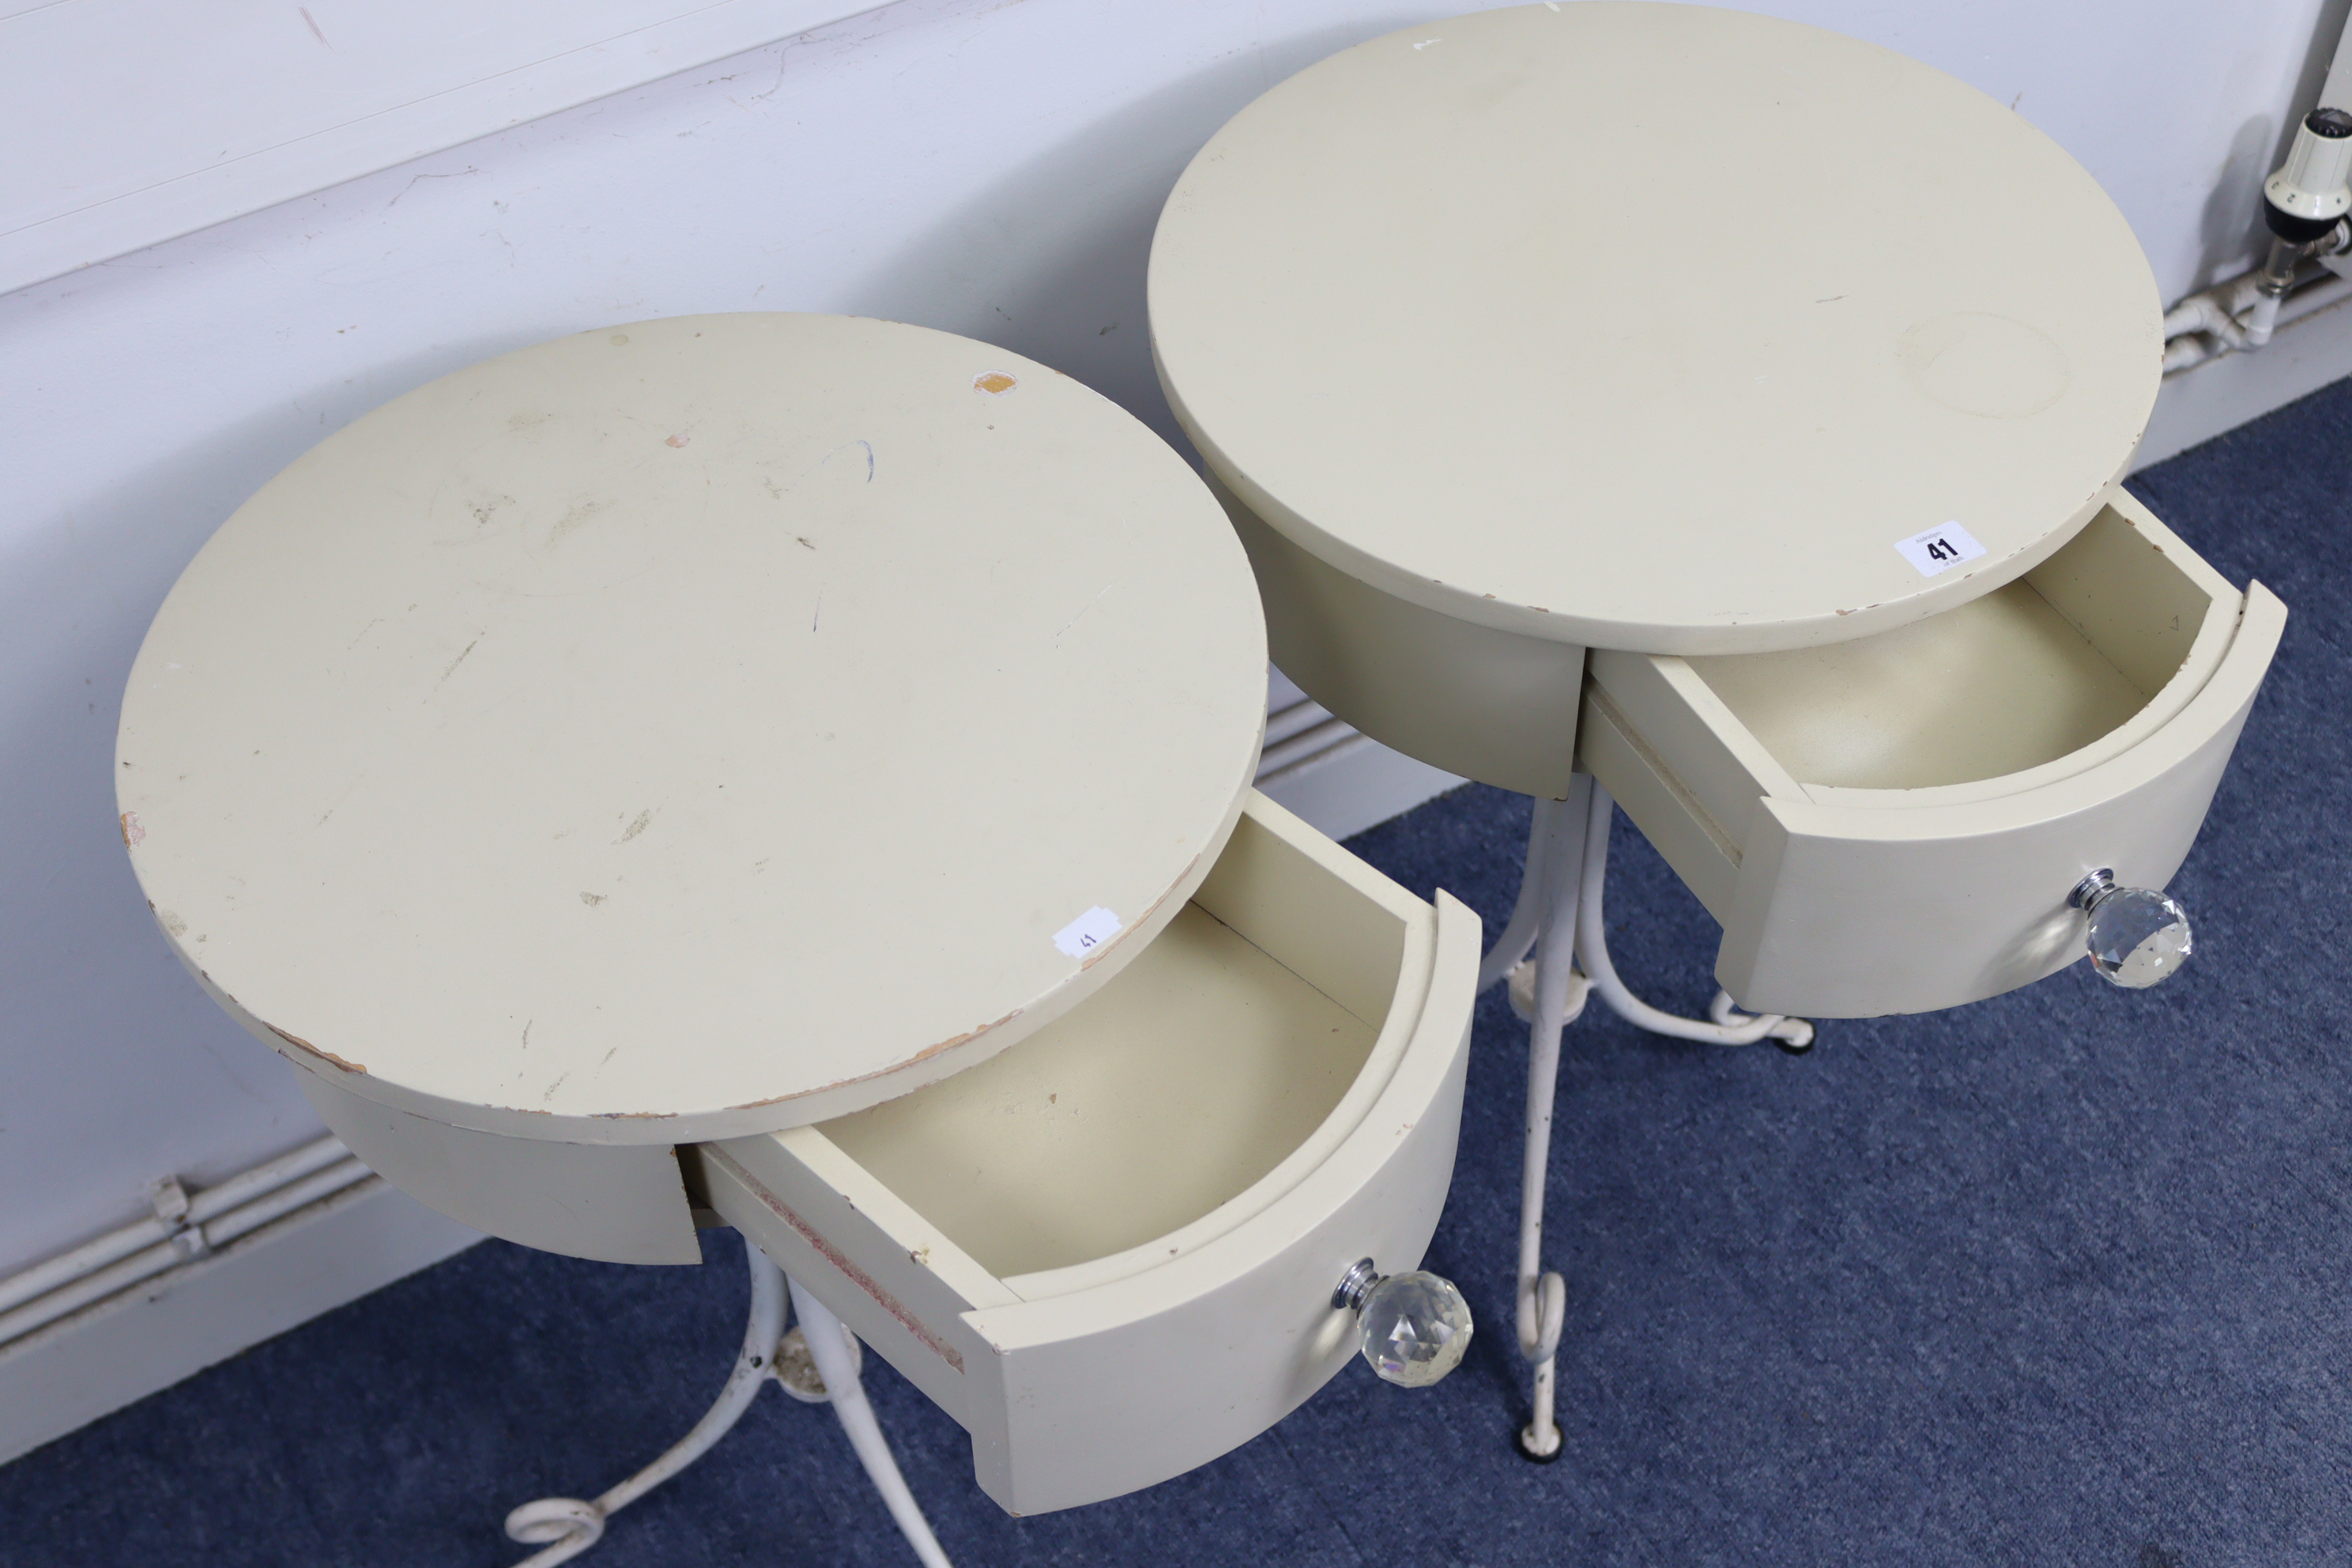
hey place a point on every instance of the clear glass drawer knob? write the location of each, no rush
(2137, 935)
(1414, 1328)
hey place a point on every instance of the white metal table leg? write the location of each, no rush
(570, 1525)
(1729, 1028)
(1519, 933)
(1507, 959)
(828, 1345)
(573, 1525)
(1558, 916)
(1555, 868)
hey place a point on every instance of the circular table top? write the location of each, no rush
(1653, 327)
(694, 727)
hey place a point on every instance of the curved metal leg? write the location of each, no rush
(1519, 933)
(1558, 915)
(828, 1344)
(1730, 1026)
(573, 1526)
(1555, 868)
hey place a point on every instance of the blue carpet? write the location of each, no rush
(2056, 1278)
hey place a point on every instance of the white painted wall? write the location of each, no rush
(989, 168)
(235, 105)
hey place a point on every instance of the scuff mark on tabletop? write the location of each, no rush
(454, 663)
(645, 819)
(864, 446)
(580, 514)
(339, 801)
(1081, 615)
(323, 1056)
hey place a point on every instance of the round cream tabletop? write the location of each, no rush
(694, 727)
(1653, 327)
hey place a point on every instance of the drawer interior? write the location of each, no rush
(2025, 675)
(1217, 1053)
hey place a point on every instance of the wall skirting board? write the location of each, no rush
(179, 1323)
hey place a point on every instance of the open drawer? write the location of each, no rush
(1893, 823)
(1109, 1251)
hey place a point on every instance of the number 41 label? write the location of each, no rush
(1939, 549)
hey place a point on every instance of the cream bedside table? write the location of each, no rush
(798, 767)
(1732, 413)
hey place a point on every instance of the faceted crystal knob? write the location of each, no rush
(2137, 935)
(1414, 1328)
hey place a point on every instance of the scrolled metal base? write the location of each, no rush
(566, 1527)
(578, 1525)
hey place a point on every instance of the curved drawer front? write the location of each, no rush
(1893, 825)
(1111, 1257)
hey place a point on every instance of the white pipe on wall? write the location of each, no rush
(1282, 724)
(82, 1261)
(277, 1205)
(180, 1232)
(1321, 736)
